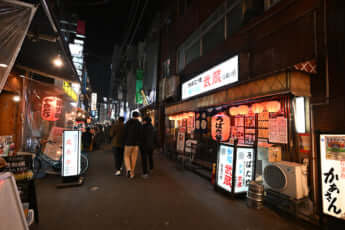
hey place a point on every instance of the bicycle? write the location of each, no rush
(55, 165)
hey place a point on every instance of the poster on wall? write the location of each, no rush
(332, 152)
(278, 130)
(244, 169)
(71, 153)
(181, 138)
(7, 146)
(224, 167)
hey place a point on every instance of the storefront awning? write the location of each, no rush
(296, 83)
(42, 45)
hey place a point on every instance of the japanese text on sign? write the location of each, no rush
(218, 76)
(333, 177)
(244, 169)
(225, 165)
(71, 153)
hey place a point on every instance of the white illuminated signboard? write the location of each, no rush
(71, 153)
(244, 169)
(224, 167)
(94, 101)
(216, 77)
(332, 151)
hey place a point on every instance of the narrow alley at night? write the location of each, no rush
(180, 114)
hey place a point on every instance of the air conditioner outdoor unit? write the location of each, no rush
(288, 178)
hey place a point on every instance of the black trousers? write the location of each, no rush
(146, 155)
(118, 157)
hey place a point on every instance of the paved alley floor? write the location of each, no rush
(169, 199)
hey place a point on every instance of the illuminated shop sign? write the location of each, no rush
(224, 169)
(71, 153)
(216, 77)
(332, 151)
(244, 169)
(69, 91)
(93, 101)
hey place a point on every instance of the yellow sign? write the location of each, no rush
(69, 91)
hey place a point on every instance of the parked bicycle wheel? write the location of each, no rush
(84, 164)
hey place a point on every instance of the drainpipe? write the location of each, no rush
(322, 103)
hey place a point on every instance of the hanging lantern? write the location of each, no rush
(233, 111)
(243, 110)
(257, 108)
(220, 127)
(273, 106)
(51, 108)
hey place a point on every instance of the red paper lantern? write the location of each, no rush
(51, 108)
(257, 108)
(233, 111)
(273, 106)
(243, 109)
(220, 127)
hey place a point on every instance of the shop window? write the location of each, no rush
(235, 19)
(193, 52)
(213, 37)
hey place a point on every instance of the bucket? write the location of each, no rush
(255, 195)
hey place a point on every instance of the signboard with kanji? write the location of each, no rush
(244, 169)
(225, 167)
(71, 153)
(332, 152)
(216, 77)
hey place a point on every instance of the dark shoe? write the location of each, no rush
(128, 173)
(145, 176)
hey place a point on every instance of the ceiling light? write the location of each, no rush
(3, 65)
(58, 61)
(22, 76)
(16, 98)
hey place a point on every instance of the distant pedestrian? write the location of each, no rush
(117, 142)
(87, 140)
(133, 137)
(147, 146)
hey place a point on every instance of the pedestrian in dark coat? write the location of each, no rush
(148, 145)
(117, 142)
(133, 138)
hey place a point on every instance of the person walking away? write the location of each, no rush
(132, 136)
(86, 140)
(117, 142)
(147, 146)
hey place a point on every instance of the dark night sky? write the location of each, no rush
(106, 24)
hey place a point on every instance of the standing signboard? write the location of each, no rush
(71, 153)
(332, 155)
(235, 168)
(181, 138)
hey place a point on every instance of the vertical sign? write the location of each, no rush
(332, 153)
(224, 167)
(244, 169)
(93, 101)
(71, 153)
(181, 137)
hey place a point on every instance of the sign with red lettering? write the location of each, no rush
(51, 108)
(71, 153)
(333, 175)
(216, 77)
(244, 169)
(224, 167)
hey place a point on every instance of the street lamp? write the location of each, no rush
(58, 61)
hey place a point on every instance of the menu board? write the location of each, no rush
(71, 153)
(332, 152)
(263, 131)
(224, 167)
(278, 130)
(244, 169)
(181, 138)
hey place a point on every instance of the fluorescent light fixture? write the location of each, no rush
(300, 115)
(80, 36)
(3, 65)
(16, 98)
(22, 76)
